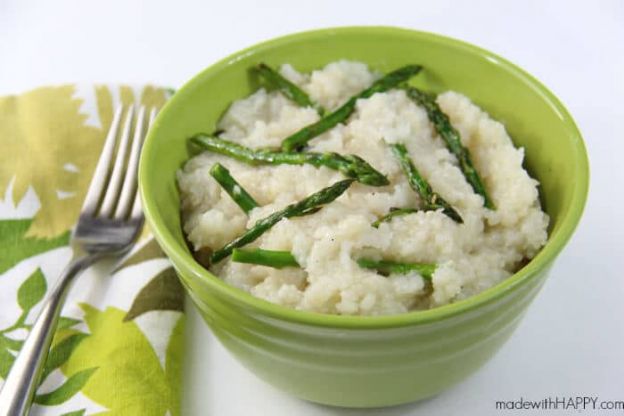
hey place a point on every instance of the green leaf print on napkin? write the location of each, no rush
(60, 353)
(163, 293)
(129, 380)
(76, 413)
(67, 390)
(6, 360)
(32, 291)
(173, 363)
(149, 251)
(64, 323)
(16, 246)
(29, 294)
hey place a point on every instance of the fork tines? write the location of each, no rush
(113, 189)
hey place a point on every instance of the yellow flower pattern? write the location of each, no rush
(43, 132)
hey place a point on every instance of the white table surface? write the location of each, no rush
(571, 342)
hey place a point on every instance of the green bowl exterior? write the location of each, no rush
(369, 361)
(370, 367)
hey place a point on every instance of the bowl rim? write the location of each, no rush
(555, 243)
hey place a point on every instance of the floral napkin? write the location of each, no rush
(118, 348)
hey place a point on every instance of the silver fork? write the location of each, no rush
(109, 223)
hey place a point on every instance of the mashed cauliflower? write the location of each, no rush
(488, 247)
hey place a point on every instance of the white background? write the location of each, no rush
(571, 341)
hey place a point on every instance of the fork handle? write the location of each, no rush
(20, 385)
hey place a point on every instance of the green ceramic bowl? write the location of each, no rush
(369, 361)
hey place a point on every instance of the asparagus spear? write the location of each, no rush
(394, 212)
(233, 188)
(287, 88)
(297, 140)
(351, 166)
(271, 258)
(432, 201)
(303, 207)
(386, 267)
(453, 142)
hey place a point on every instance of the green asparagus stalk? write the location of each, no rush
(386, 267)
(299, 139)
(233, 188)
(432, 201)
(270, 258)
(303, 207)
(287, 88)
(351, 166)
(394, 212)
(452, 139)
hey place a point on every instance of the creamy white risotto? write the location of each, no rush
(488, 247)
